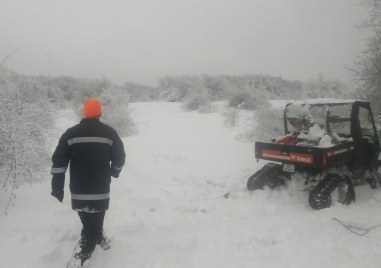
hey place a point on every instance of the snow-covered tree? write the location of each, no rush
(25, 123)
(327, 88)
(367, 68)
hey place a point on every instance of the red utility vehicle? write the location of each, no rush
(329, 142)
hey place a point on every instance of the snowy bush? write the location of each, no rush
(269, 123)
(198, 99)
(177, 88)
(141, 93)
(171, 95)
(266, 124)
(25, 125)
(250, 100)
(116, 112)
(231, 116)
(74, 89)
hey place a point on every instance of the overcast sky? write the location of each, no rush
(143, 40)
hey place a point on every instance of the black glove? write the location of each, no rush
(59, 194)
(115, 173)
(58, 183)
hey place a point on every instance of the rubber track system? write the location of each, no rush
(269, 173)
(320, 196)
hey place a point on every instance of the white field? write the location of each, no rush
(168, 208)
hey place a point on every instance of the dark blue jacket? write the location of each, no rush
(95, 153)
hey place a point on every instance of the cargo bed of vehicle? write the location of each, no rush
(315, 157)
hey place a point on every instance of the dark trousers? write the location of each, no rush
(92, 224)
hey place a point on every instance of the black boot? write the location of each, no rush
(104, 242)
(83, 252)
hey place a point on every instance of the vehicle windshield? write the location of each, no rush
(340, 120)
(306, 117)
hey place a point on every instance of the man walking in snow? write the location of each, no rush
(95, 153)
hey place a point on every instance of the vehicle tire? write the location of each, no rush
(319, 201)
(320, 196)
(259, 179)
(255, 182)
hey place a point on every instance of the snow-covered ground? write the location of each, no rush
(181, 201)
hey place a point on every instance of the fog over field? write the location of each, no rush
(141, 41)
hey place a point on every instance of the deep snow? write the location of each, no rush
(181, 201)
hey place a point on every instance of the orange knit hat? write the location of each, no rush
(92, 107)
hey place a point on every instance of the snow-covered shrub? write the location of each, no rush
(269, 123)
(116, 112)
(25, 125)
(210, 108)
(198, 99)
(249, 100)
(141, 93)
(176, 88)
(266, 124)
(172, 95)
(231, 116)
(74, 89)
